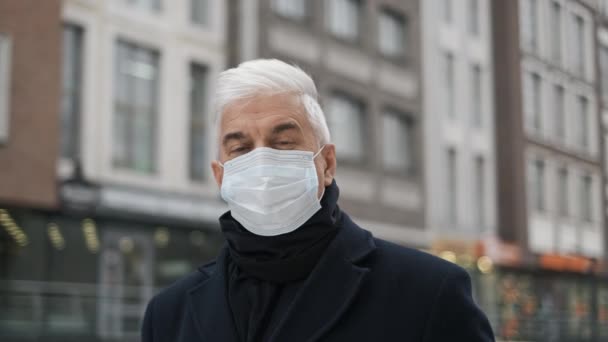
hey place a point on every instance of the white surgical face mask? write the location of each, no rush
(271, 192)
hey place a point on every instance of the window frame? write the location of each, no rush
(400, 21)
(202, 120)
(359, 102)
(135, 47)
(76, 116)
(5, 86)
(357, 37)
(408, 122)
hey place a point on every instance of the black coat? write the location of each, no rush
(363, 289)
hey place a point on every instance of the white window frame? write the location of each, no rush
(206, 21)
(392, 24)
(349, 27)
(5, 81)
(296, 10)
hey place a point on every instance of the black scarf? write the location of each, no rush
(263, 272)
(287, 257)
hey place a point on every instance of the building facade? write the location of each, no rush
(129, 204)
(459, 120)
(365, 59)
(549, 171)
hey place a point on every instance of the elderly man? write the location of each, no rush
(295, 267)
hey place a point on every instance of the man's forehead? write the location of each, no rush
(269, 109)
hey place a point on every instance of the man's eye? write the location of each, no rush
(238, 149)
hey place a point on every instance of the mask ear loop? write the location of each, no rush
(313, 158)
(316, 154)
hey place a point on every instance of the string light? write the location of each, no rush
(13, 229)
(91, 237)
(55, 236)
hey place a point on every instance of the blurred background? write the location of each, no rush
(475, 130)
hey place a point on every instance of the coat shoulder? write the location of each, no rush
(176, 292)
(408, 263)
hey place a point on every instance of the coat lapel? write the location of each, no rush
(209, 306)
(331, 287)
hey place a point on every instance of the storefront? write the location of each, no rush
(74, 278)
(550, 298)
(539, 305)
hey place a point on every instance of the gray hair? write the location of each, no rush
(268, 77)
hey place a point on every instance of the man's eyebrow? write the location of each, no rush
(232, 136)
(280, 128)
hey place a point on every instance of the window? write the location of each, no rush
(199, 12)
(397, 153)
(474, 17)
(448, 11)
(529, 22)
(198, 97)
(537, 187)
(344, 18)
(579, 51)
(452, 185)
(294, 9)
(556, 31)
(136, 84)
(586, 198)
(533, 101)
(346, 123)
(71, 91)
(5, 69)
(560, 112)
(480, 190)
(476, 95)
(604, 71)
(562, 195)
(583, 110)
(151, 5)
(392, 34)
(449, 84)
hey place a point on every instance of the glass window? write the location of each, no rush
(529, 23)
(448, 11)
(294, 9)
(397, 153)
(604, 71)
(198, 101)
(152, 5)
(560, 112)
(480, 190)
(586, 198)
(533, 101)
(449, 85)
(537, 188)
(136, 83)
(452, 185)
(474, 17)
(392, 34)
(583, 109)
(346, 124)
(71, 91)
(579, 51)
(562, 196)
(5, 68)
(199, 12)
(344, 18)
(476, 95)
(556, 31)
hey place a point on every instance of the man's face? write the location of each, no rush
(276, 121)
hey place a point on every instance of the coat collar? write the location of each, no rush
(323, 298)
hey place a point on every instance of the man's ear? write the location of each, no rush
(218, 172)
(329, 154)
